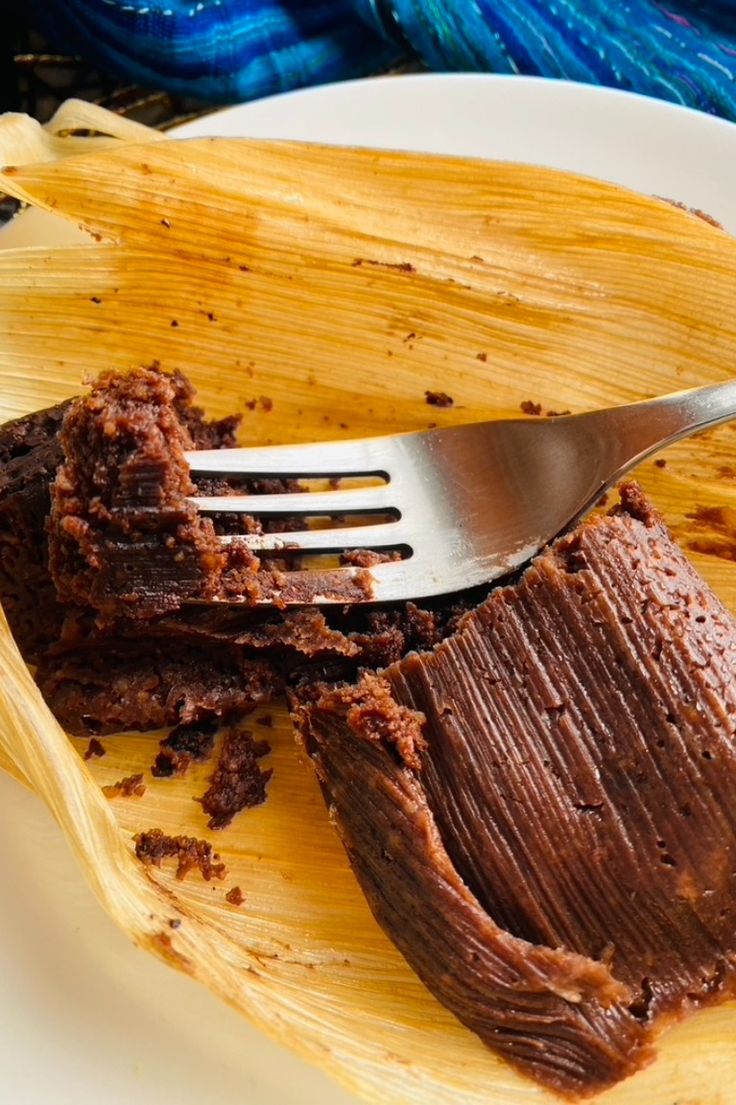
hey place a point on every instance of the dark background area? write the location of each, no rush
(35, 77)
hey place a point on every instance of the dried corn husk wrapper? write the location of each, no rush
(342, 285)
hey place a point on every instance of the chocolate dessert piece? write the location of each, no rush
(118, 665)
(216, 663)
(542, 810)
(153, 846)
(139, 659)
(184, 745)
(150, 684)
(238, 781)
(132, 786)
(30, 453)
(536, 791)
(124, 537)
(235, 896)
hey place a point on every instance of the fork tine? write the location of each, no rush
(395, 580)
(323, 540)
(349, 501)
(362, 457)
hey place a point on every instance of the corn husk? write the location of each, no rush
(342, 285)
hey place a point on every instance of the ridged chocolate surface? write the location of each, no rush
(570, 793)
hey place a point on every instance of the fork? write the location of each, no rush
(463, 505)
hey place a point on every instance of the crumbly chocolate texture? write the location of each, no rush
(94, 749)
(149, 684)
(154, 846)
(438, 399)
(30, 454)
(101, 673)
(601, 760)
(542, 810)
(125, 667)
(368, 558)
(238, 781)
(235, 896)
(217, 663)
(132, 786)
(185, 744)
(124, 537)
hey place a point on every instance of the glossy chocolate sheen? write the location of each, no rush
(542, 811)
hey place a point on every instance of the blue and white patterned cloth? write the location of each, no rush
(233, 50)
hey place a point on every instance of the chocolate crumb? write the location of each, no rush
(235, 896)
(238, 781)
(266, 721)
(211, 316)
(660, 462)
(174, 323)
(95, 299)
(557, 414)
(481, 357)
(528, 406)
(175, 923)
(377, 718)
(166, 223)
(368, 558)
(438, 399)
(154, 846)
(94, 748)
(132, 786)
(399, 266)
(184, 744)
(266, 403)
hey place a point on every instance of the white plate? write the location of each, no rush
(85, 1019)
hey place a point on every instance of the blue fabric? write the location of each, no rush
(230, 50)
(221, 51)
(681, 51)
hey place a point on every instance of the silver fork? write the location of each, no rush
(466, 504)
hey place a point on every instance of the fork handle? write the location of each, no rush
(671, 418)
